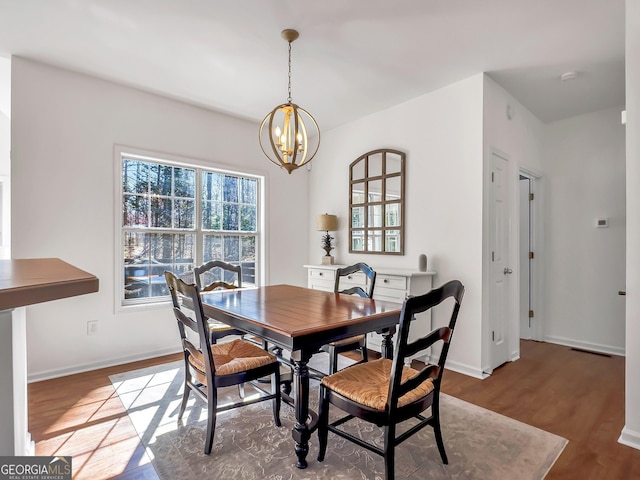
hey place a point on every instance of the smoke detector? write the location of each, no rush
(565, 77)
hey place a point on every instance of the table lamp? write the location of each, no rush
(327, 223)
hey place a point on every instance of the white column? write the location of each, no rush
(14, 420)
(631, 432)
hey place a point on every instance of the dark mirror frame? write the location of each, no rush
(361, 227)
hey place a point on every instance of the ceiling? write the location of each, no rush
(353, 57)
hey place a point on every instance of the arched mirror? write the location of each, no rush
(376, 203)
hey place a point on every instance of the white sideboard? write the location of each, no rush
(392, 285)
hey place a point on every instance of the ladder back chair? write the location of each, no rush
(386, 392)
(358, 342)
(218, 275)
(209, 367)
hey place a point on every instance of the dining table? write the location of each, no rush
(301, 320)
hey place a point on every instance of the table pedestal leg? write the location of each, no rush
(387, 343)
(301, 430)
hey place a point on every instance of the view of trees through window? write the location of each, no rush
(176, 217)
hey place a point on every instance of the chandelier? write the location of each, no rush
(285, 135)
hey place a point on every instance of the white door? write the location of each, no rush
(526, 252)
(500, 268)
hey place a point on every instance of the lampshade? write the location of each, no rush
(327, 223)
(289, 135)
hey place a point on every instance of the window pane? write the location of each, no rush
(375, 216)
(393, 163)
(249, 191)
(231, 248)
(392, 215)
(134, 211)
(212, 186)
(375, 241)
(135, 176)
(248, 249)
(357, 240)
(357, 193)
(357, 217)
(136, 247)
(392, 188)
(184, 214)
(230, 189)
(148, 255)
(375, 191)
(212, 248)
(248, 218)
(211, 214)
(357, 171)
(184, 252)
(160, 179)
(375, 165)
(229, 217)
(160, 212)
(184, 182)
(392, 241)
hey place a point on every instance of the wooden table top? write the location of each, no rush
(35, 280)
(296, 312)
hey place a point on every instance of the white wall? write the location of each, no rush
(631, 432)
(584, 158)
(64, 128)
(441, 133)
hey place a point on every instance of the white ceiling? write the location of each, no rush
(353, 57)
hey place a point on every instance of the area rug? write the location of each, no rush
(480, 444)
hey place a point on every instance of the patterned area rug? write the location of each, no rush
(480, 444)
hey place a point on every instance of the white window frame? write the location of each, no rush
(120, 152)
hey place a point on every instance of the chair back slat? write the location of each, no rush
(404, 349)
(429, 372)
(217, 274)
(369, 272)
(422, 343)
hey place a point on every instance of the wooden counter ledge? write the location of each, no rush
(36, 280)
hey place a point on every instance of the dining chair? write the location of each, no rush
(209, 367)
(386, 392)
(219, 275)
(358, 342)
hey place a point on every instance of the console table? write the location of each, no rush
(392, 285)
(27, 282)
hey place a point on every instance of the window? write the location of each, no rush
(175, 217)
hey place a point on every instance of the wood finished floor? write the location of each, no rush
(577, 395)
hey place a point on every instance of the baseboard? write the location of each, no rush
(595, 347)
(465, 370)
(630, 438)
(63, 372)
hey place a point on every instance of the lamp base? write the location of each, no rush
(327, 260)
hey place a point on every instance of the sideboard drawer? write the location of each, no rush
(391, 281)
(319, 274)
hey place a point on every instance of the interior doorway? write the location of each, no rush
(530, 311)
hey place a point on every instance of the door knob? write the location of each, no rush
(507, 271)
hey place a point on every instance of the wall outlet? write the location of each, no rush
(92, 327)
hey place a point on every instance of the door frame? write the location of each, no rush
(537, 234)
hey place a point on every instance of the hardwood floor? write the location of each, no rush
(577, 395)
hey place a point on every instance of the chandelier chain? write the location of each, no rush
(289, 90)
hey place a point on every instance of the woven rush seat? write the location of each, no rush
(232, 357)
(368, 384)
(216, 326)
